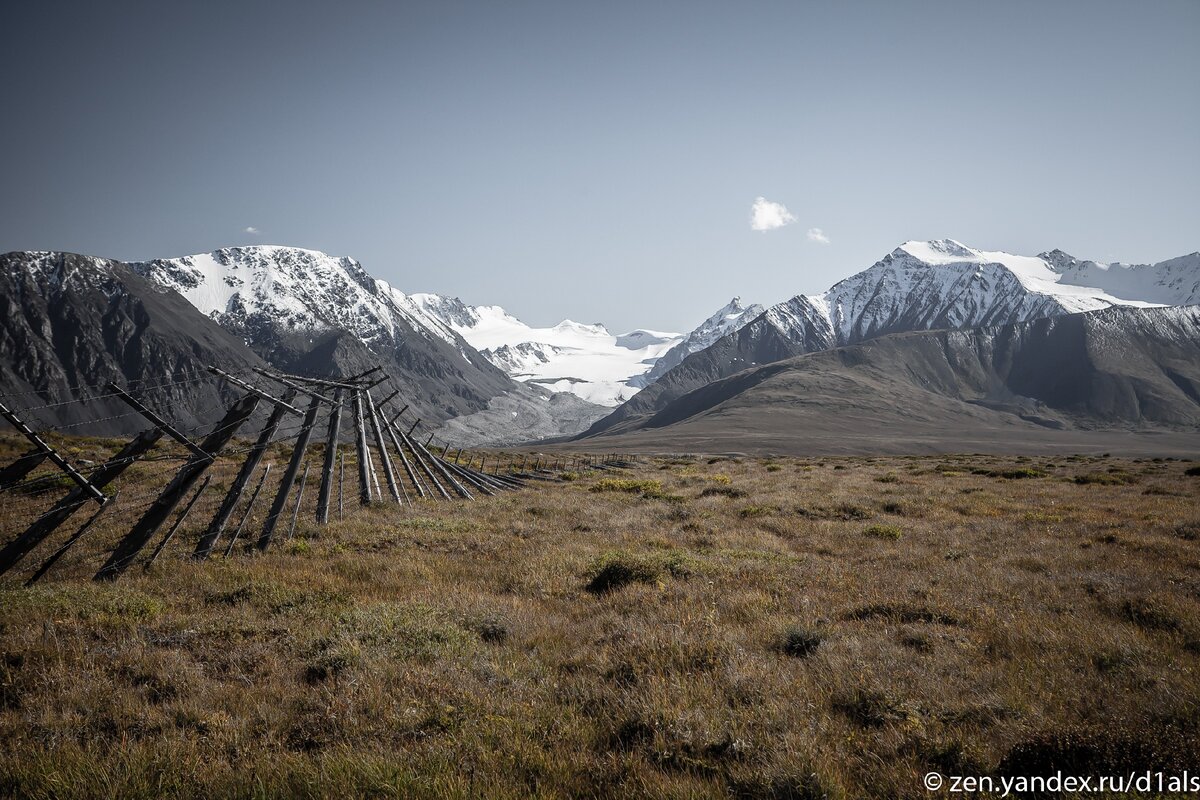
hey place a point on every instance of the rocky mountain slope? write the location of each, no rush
(919, 286)
(1124, 378)
(310, 312)
(69, 322)
(731, 317)
(298, 310)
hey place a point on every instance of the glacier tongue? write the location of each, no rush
(585, 360)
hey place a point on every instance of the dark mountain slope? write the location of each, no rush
(1044, 382)
(69, 321)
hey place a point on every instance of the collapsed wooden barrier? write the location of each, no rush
(406, 462)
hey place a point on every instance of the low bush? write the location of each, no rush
(1105, 478)
(883, 531)
(644, 487)
(723, 491)
(618, 569)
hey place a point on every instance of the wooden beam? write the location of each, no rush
(291, 409)
(331, 454)
(158, 421)
(52, 454)
(429, 475)
(216, 527)
(299, 497)
(69, 543)
(412, 475)
(178, 521)
(388, 471)
(289, 475)
(364, 455)
(128, 548)
(292, 385)
(249, 509)
(44, 525)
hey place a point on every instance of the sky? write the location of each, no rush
(631, 163)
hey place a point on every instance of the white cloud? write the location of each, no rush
(817, 235)
(252, 230)
(767, 216)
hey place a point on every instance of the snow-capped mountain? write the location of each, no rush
(733, 316)
(307, 311)
(1124, 377)
(266, 289)
(923, 286)
(74, 320)
(585, 360)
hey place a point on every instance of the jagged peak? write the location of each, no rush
(938, 251)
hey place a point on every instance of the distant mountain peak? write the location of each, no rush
(729, 317)
(921, 285)
(938, 251)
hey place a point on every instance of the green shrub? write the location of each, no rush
(1105, 478)
(644, 487)
(618, 569)
(883, 531)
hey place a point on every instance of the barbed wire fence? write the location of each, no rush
(130, 486)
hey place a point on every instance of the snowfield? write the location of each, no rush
(585, 360)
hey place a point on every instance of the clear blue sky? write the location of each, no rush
(598, 161)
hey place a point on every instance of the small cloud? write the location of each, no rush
(253, 231)
(817, 235)
(767, 216)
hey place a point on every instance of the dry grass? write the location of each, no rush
(688, 628)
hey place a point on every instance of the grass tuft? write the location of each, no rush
(799, 642)
(891, 532)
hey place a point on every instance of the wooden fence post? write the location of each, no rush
(75, 537)
(364, 455)
(44, 525)
(187, 475)
(299, 497)
(178, 521)
(289, 475)
(209, 540)
(331, 453)
(384, 459)
(249, 509)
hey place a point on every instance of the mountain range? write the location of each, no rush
(480, 376)
(918, 286)
(1123, 379)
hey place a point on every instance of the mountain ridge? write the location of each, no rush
(918, 286)
(1076, 380)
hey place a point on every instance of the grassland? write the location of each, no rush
(689, 627)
